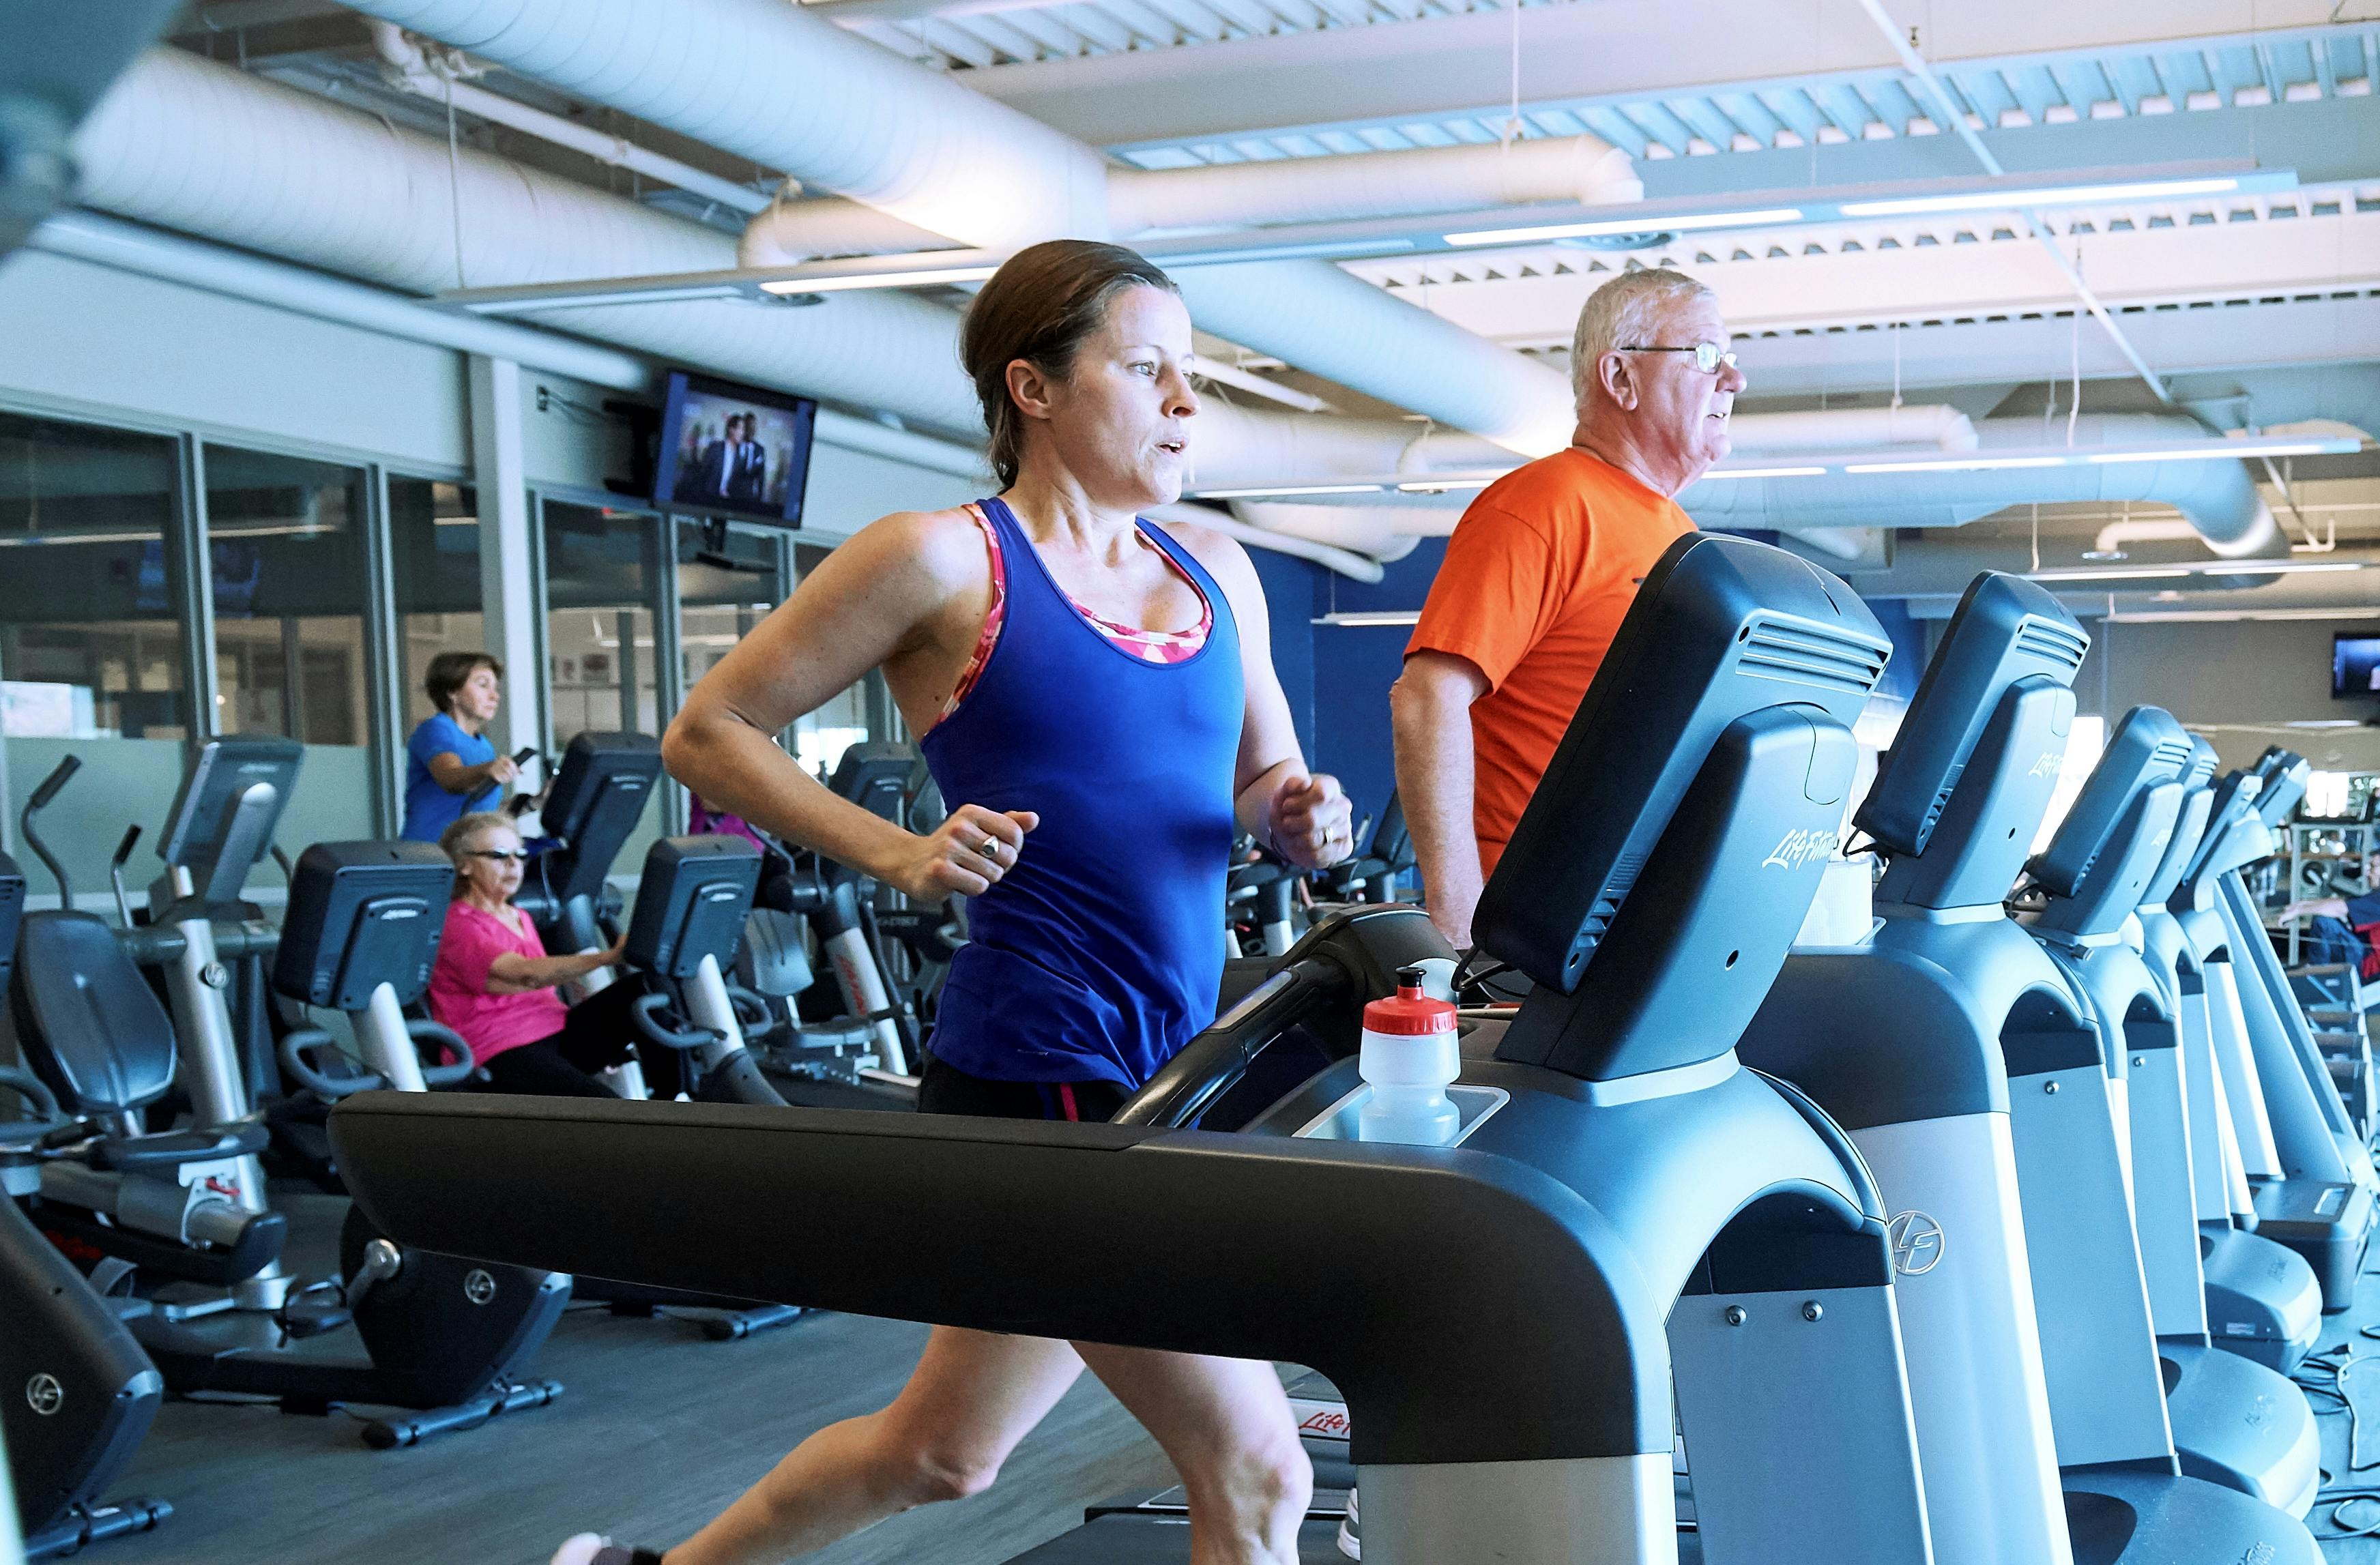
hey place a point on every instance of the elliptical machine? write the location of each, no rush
(87, 1391)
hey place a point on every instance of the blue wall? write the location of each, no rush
(1336, 678)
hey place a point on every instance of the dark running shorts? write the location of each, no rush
(946, 1089)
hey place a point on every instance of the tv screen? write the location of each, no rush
(2354, 665)
(734, 451)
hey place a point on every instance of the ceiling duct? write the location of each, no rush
(2217, 496)
(208, 149)
(1221, 196)
(767, 80)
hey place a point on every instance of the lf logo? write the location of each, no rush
(2048, 764)
(1799, 847)
(44, 1395)
(1917, 1244)
(478, 1286)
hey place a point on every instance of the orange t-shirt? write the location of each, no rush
(1537, 577)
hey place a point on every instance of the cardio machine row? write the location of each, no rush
(1987, 1239)
(185, 1293)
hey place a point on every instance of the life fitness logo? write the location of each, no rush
(2050, 765)
(1917, 1244)
(44, 1395)
(1799, 847)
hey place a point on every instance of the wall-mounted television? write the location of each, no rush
(732, 451)
(2354, 665)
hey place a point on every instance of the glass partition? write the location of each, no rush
(91, 639)
(602, 584)
(433, 536)
(286, 555)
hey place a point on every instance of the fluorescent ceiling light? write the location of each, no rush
(1956, 465)
(1765, 473)
(2215, 449)
(2145, 573)
(2294, 567)
(1627, 225)
(1441, 486)
(851, 281)
(2066, 195)
(1373, 617)
(1302, 489)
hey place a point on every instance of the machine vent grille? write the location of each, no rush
(1606, 906)
(2051, 640)
(2174, 753)
(1799, 653)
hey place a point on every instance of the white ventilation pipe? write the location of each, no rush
(771, 82)
(1347, 562)
(207, 150)
(187, 144)
(2112, 538)
(439, 78)
(2217, 496)
(1852, 429)
(765, 81)
(149, 252)
(1584, 169)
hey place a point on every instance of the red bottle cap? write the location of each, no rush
(1408, 1012)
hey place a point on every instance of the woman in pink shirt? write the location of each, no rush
(495, 984)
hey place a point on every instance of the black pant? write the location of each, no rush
(597, 1036)
(946, 1089)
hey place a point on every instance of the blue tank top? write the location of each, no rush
(1099, 954)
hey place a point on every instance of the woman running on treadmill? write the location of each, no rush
(1099, 694)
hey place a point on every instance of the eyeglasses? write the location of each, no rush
(518, 855)
(1709, 356)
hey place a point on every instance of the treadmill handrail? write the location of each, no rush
(1530, 1332)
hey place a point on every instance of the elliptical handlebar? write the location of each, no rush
(466, 1065)
(645, 1012)
(34, 1090)
(116, 874)
(57, 778)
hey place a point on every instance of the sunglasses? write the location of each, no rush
(518, 855)
(1709, 356)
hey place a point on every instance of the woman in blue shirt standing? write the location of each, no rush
(451, 770)
(1096, 696)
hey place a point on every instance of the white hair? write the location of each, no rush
(1621, 314)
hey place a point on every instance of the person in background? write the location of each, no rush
(493, 983)
(1541, 570)
(2344, 928)
(451, 768)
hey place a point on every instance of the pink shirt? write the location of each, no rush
(458, 984)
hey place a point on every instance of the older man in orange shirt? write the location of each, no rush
(1541, 570)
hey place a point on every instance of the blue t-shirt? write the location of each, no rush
(428, 808)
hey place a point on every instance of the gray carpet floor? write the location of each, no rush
(2340, 1475)
(658, 1430)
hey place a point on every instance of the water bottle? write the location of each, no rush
(1408, 1056)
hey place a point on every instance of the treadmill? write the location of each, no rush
(2263, 1300)
(2235, 1422)
(1627, 1211)
(1968, 1068)
(2309, 1176)
(1629, 1214)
